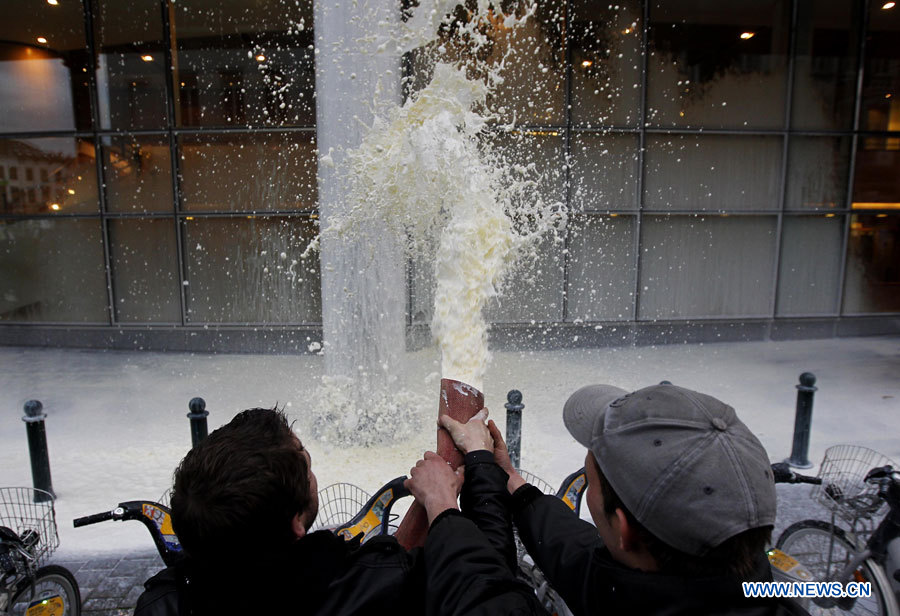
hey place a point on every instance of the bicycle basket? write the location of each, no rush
(536, 481)
(338, 503)
(843, 488)
(19, 512)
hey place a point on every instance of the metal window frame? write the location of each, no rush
(171, 131)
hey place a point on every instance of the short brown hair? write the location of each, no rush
(737, 555)
(236, 492)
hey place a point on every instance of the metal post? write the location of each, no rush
(514, 408)
(197, 416)
(803, 421)
(37, 448)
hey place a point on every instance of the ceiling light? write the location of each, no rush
(587, 64)
(888, 5)
(747, 35)
(888, 95)
(53, 2)
(147, 58)
(626, 31)
(54, 206)
(41, 40)
(71, 191)
(260, 58)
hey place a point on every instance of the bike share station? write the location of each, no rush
(858, 543)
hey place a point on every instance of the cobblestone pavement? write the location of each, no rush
(110, 586)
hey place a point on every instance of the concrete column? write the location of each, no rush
(363, 280)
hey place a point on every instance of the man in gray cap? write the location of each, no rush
(682, 496)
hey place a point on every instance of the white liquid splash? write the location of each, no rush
(430, 172)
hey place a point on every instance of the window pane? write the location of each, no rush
(145, 270)
(544, 149)
(131, 78)
(606, 62)
(873, 264)
(718, 64)
(604, 172)
(880, 109)
(695, 266)
(825, 65)
(817, 172)
(43, 67)
(601, 268)
(532, 290)
(721, 172)
(876, 183)
(809, 272)
(138, 174)
(244, 62)
(52, 271)
(250, 270)
(248, 172)
(49, 176)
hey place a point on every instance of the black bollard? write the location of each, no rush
(37, 448)
(198, 416)
(803, 421)
(514, 408)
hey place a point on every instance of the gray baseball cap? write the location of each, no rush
(682, 462)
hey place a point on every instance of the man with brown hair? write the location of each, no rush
(682, 496)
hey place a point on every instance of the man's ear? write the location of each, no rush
(627, 535)
(298, 526)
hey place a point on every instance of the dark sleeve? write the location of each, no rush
(566, 548)
(160, 596)
(465, 575)
(485, 501)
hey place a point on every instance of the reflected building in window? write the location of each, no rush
(730, 170)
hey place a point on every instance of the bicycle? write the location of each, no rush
(857, 485)
(27, 538)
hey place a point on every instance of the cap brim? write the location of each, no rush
(582, 409)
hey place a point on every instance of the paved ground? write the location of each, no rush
(111, 586)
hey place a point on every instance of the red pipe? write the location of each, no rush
(461, 402)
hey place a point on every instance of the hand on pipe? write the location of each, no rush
(501, 457)
(470, 436)
(434, 484)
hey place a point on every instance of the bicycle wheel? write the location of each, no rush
(811, 542)
(55, 591)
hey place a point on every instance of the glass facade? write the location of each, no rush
(729, 161)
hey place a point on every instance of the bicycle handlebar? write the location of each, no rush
(93, 519)
(782, 473)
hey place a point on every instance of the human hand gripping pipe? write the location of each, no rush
(460, 401)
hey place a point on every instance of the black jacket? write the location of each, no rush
(470, 557)
(320, 574)
(572, 556)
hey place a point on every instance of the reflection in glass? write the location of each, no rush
(718, 64)
(604, 172)
(543, 149)
(880, 104)
(817, 172)
(43, 83)
(48, 176)
(699, 266)
(606, 62)
(145, 270)
(873, 264)
(248, 172)
(245, 62)
(138, 173)
(825, 65)
(686, 172)
(52, 271)
(131, 78)
(809, 270)
(251, 270)
(601, 268)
